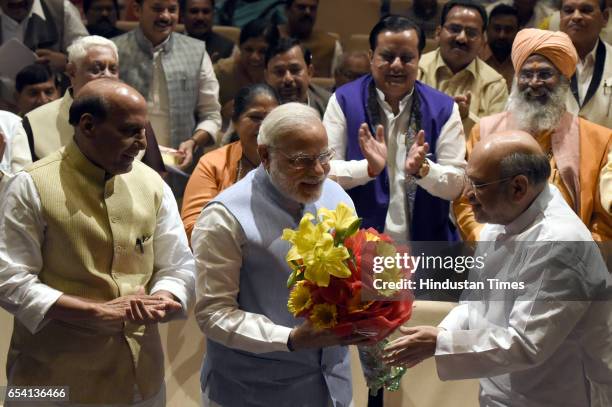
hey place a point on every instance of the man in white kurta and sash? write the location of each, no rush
(92, 256)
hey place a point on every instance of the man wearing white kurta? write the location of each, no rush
(544, 345)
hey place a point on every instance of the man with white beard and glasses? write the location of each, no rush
(242, 276)
(544, 62)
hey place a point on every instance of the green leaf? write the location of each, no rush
(292, 279)
(353, 228)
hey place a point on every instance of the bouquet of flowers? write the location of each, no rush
(331, 284)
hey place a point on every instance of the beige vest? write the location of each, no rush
(89, 250)
(50, 126)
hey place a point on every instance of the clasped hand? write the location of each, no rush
(139, 308)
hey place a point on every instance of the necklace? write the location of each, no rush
(246, 167)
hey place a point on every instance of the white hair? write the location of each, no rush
(533, 116)
(79, 48)
(285, 119)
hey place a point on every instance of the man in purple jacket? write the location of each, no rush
(403, 178)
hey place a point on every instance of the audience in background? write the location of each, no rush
(502, 28)
(455, 67)
(553, 22)
(47, 128)
(426, 13)
(47, 27)
(102, 16)
(325, 48)
(352, 65)
(577, 149)
(175, 74)
(198, 17)
(289, 70)
(531, 13)
(591, 85)
(237, 13)
(247, 67)
(35, 85)
(227, 165)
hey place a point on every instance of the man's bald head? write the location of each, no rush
(109, 118)
(100, 96)
(507, 171)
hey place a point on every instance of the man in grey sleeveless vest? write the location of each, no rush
(176, 76)
(254, 355)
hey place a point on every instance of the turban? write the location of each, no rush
(556, 46)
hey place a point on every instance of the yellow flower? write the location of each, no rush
(339, 219)
(299, 298)
(304, 239)
(304, 228)
(325, 260)
(293, 254)
(324, 316)
(371, 237)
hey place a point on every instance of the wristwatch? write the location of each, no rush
(423, 170)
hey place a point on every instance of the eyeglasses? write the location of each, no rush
(478, 186)
(300, 161)
(456, 29)
(542, 75)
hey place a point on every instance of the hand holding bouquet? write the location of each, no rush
(331, 282)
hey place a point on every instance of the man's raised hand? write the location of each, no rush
(373, 149)
(417, 154)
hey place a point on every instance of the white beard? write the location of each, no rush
(533, 116)
(290, 188)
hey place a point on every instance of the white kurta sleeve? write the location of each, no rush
(217, 242)
(446, 176)
(348, 174)
(174, 268)
(208, 107)
(21, 234)
(20, 150)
